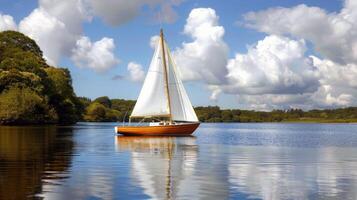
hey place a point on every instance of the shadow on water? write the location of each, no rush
(30, 156)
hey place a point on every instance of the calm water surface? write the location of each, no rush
(222, 161)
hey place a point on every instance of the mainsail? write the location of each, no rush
(161, 97)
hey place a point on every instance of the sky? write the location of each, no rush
(256, 54)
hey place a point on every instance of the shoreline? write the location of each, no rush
(252, 122)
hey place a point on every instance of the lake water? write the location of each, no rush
(221, 161)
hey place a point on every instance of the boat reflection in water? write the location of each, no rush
(32, 157)
(162, 166)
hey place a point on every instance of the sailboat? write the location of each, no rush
(162, 100)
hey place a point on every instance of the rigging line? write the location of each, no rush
(125, 117)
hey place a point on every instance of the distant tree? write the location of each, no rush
(85, 101)
(95, 112)
(104, 101)
(111, 115)
(123, 105)
(227, 116)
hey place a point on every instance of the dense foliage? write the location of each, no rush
(32, 92)
(104, 109)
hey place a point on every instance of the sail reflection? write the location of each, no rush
(161, 165)
(31, 157)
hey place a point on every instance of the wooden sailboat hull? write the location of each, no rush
(167, 130)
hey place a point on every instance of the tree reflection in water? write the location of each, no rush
(30, 156)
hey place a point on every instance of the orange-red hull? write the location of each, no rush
(169, 130)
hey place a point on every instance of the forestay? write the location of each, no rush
(153, 100)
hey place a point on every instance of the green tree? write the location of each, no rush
(62, 97)
(227, 116)
(22, 68)
(104, 101)
(95, 112)
(24, 106)
(13, 39)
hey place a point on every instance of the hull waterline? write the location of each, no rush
(168, 130)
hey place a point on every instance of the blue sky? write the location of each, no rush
(131, 39)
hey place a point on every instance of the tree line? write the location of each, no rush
(104, 109)
(215, 114)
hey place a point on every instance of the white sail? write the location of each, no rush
(152, 100)
(181, 107)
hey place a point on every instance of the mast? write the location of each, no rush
(165, 72)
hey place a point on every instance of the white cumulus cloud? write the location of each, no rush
(56, 26)
(98, 55)
(334, 39)
(338, 83)
(7, 23)
(277, 72)
(276, 65)
(136, 72)
(205, 57)
(71, 12)
(50, 34)
(328, 96)
(334, 35)
(274, 73)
